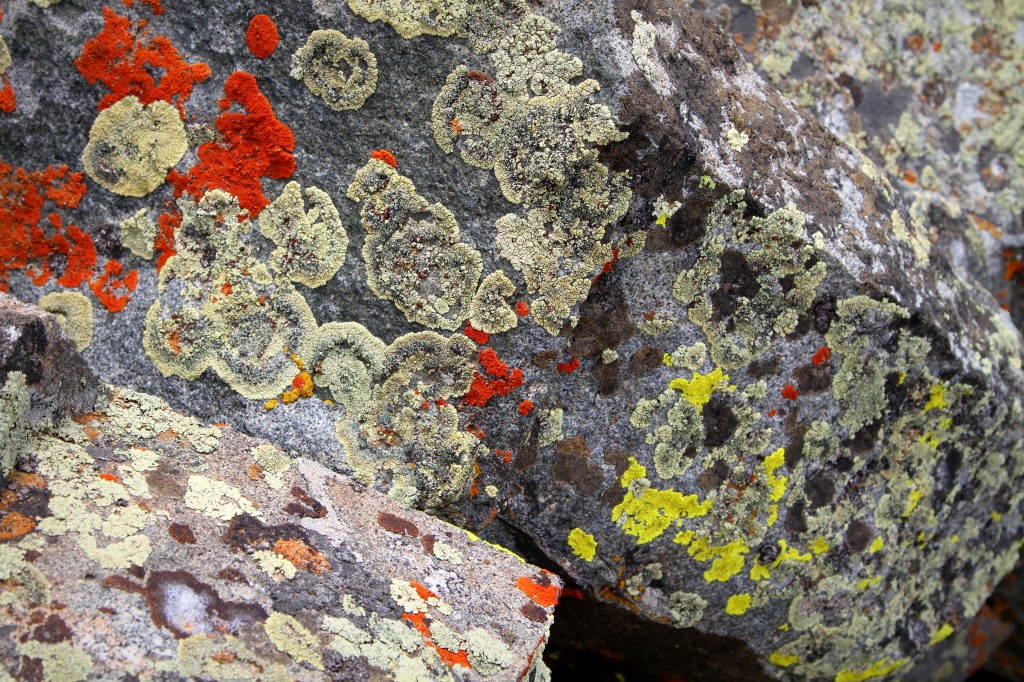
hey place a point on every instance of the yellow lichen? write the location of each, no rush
(699, 388)
(738, 604)
(582, 544)
(647, 513)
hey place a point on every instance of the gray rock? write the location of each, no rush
(746, 394)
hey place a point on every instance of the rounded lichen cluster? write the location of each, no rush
(131, 147)
(341, 71)
(311, 244)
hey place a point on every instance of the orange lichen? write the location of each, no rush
(254, 144)
(8, 102)
(303, 556)
(822, 355)
(522, 309)
(569, 367)
(154, 5)
(483, 389)
(481, 338)
(14, 525)
(526, 407)
(164, 242)
(542, 591)
(1014, 266)
(262, 37)
(385, 156)
(269, 405)
(607, 267)
(106, 285)
(456, 126)
(124, 57)
(789, 392)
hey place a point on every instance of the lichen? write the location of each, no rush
(14, 429)
(291, 637)
(348, 360)
(62, 661)
(410, 19)
(131, 147)
(311, 244)
(490, 311)
(138, 233)
(550, 426)
(646, 512)
(413, 253)
(341, 71)
(273, 462)
(74, 314)
(222, 658)
(217, 499)
(686, 608)
(582, 544)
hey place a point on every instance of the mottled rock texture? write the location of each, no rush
(732, 385)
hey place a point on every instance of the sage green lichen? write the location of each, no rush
(291, 637)
(348, 360)
(311, 244)
(74, 314)
(14, 430)
(341, 71)
(490, 311)
(138, 233)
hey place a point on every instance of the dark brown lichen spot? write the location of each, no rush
(397, 525)
(865, 438)
(30, 670)
(796, 521)
(528, 453)
(852, 86)
(820, 489)
(182, 533)
(544, 358)
(858, 535)
(179, 602)
(720, 423)
(167, 481)
(604, 322)
(738, 280)
(534, 613)
(608, 377)
(119, 582)
(645, 359)
(52, 630)
(812, 378)
(246, 533)
(137, 571)
(573, 466)
(765, 367)
(795, 445)
(428, 541)
(713, 476)
(232, 575)
(618, 458)
(306, 506)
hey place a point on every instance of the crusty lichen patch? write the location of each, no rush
(138, 233)
(341, 71)
(131, 147)
(74, 314)
(490, 311)
(14, 431)
(311, 244)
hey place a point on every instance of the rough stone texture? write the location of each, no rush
(746, 395)
(138, 541)
(32, 343)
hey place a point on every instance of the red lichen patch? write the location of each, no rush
(915, 42)
(540, 590)
(534, 613)
(254, 144)
(385, 156)
(607, 267)
(1014, 265)
(262, 37)
(483, 389)
(821, 356)
(14, 525)
(789, 392)
(397, 525)
(182, 533)
(124, 58)
(423, 591)
(106, 286)
(569, 367)
(522, 310)
(505, 455)
(8, 102)
(110, 477)
(303, 556)
(154, 5)
(428, 543)
(772, 413)
(481, 338)
(163, 245)
(526, 407)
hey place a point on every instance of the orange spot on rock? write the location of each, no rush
(526, 407)
(8, 102)
(480, 337)
(164, 242)
(303, 556)
(542, 591)
(262, 37)
(110, 477)
(522, 309)
(822, 355)
(789, 392)
(124, 57)
(456, 126)
(254, 144)
(14, 525)
(569, 367)
(483, 389)
(107, 286)
(385, 156)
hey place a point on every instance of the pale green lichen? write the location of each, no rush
(686, 608)
(138, 233)
(608, 356)
(490, 311)
(550, 426)
(410, 19)
(658, 324)
(736, 140)
(131, 147)
(486, 654)
(225, 313)
(273, 462)
(446, 552)
(348, 360)
(692, 357)
(14, 429)
(142, 416)
(28, 584)
(74, 314)
(222, 658)
(645, 54)
(217, 499)
(291, 637)
(311, 244)
(413, 253)
(274, 564)
(341, 71)
(5, 56)
(62, 661)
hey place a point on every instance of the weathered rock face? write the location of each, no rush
(574, 266)
(138, 541)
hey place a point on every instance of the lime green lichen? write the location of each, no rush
(341, 71)
(225, 313)
(413, 253)
(138, 233)
(291, 637)
(311, 244)
(14, 430)
(937, 400)
(877, 669)
(726, 560)
(777, 483)
(645, 512)
(582, 544)
(217, 499)
(490, 311)
(74, 314)
(62, 662)
(751, 245)
(131, 147)
(222, 658)
(783, 660)
(738, 604)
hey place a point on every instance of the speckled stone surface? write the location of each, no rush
(731, 385)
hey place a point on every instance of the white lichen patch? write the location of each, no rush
(645, 55)
(341, 71)
(74, 314)
(311, 244)
(131, 147)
